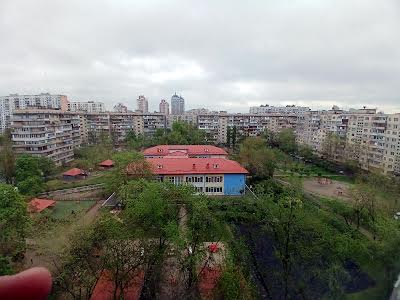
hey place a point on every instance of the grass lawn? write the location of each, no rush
(63, 209)
(58, 184)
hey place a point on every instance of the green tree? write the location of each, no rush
(27, 166)
(46, 165)
(305, 151)
(14, 221)
(5, 267)
(127, 166)
(234, 137)
(287, 140)
(7, 158)
(257, 158)
(31, 186)
(271, 138)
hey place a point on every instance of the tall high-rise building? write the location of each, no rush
(177, 105)
(143, 104)
(164, 107)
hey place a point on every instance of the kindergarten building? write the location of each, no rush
(209, 175)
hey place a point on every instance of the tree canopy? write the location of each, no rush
(257, 158)
(13, 221)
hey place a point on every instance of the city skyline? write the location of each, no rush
(315, 54)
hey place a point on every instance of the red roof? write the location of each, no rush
(166, 166)
(37, 205)
(107, 163)
(163, 150)
(104, 288)
(74, 172)
(208, 280)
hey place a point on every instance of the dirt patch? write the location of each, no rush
(328, 188)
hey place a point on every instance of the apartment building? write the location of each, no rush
(216, 124)
(177, 105)
(49, 133)
(392, 145)
(288, 109)
(164, 107)
(142, 104)
(123, 123)
(12, 102)
(152, 122)
(188, 118)
(87, 107)
(120, 108)
(362, 135)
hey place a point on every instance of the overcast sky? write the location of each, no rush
(222, 55)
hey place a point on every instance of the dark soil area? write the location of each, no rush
(266, 270)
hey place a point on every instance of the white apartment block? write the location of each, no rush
(188, 118)
(15, 101)
(88, 107)
(216, 124)
(372, 139)
(288, 109)
(49, 133)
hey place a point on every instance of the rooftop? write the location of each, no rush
(38, 205)
(74, 172)
(107, 163)
(163, 150)
(170, 166)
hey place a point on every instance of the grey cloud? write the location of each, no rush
(217, 54)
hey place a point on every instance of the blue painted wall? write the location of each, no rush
(234, 184)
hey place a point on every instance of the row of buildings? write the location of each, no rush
(12, 102)
(49, 125)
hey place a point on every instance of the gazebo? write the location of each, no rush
(74, 173)
(107, 164)
(37, 205)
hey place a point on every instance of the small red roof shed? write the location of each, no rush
(105, 287)
(107, 163)
(75, 172)
(38, 205)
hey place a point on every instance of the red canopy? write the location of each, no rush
(107, 163)
(104, 288)
(37, 205)
(74, 172)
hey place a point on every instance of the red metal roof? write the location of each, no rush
(74, 172)
(37, 205)
(208, 280)
(107, 163)
(104, 289)
(163, 150)
(166, 166)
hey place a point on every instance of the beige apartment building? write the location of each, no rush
(363, 135)
(49, 133)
